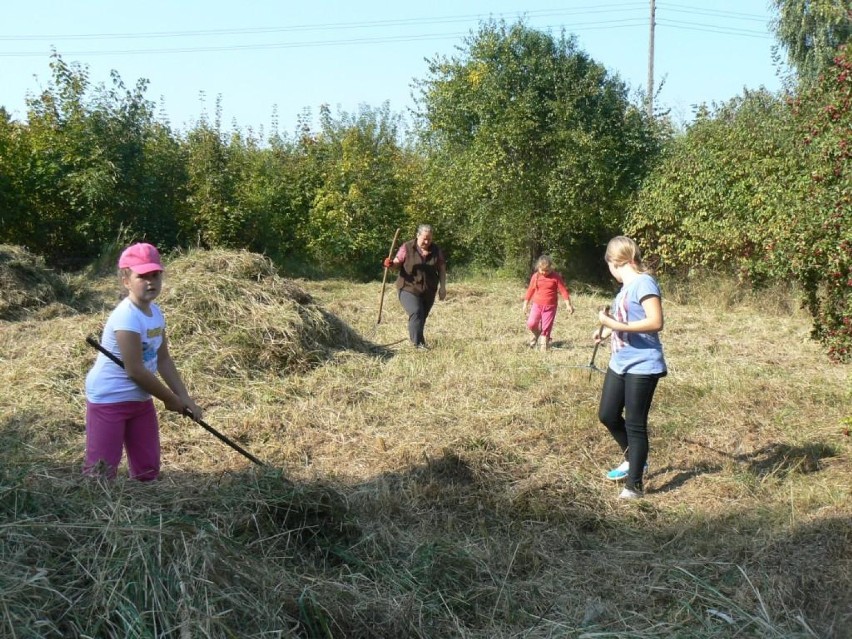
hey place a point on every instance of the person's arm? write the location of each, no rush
(400, 255)
(566, 294)
(529, 294)
(130, 346)
(652, 322)
(168, 371)
(397, 260)
(600, 334)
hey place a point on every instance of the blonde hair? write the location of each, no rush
(544, 261)
(622, 250)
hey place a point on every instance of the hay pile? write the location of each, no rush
(28, 285)
(232, 310)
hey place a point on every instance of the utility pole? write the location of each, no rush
(651, 63)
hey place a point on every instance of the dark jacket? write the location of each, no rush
(420, 274)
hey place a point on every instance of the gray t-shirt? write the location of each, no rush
(636, 353)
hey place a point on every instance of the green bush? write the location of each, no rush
(820, 238)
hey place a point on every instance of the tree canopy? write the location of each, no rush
(810, 31)
(531, 145)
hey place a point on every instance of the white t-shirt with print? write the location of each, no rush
(107, 382)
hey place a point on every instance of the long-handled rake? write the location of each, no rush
(385, 277)
(93, 342)
(372, 331)
(591, 365)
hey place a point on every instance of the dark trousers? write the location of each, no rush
(417, 307)
(625, 403)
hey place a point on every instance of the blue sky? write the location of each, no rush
(261, 54)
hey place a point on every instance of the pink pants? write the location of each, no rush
(130, 425)
(541, 319)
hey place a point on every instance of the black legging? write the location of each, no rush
(417, 307)
(625, 403)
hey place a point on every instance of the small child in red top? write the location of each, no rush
(545, 283)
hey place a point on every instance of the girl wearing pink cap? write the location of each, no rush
(120, 411)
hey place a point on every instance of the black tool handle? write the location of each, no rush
(188, 413)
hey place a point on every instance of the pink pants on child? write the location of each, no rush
(541, 318)
(130, 425)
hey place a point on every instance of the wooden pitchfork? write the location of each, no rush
(385, 277)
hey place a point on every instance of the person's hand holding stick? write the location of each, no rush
(387, 263)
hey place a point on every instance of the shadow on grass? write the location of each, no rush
(682, 476)
(350, 339)
(776, 459)
(444, 548)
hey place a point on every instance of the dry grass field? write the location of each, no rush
(458, 492)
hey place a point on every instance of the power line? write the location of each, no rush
(628, 22)
(540, 13)
(710, 28)
(248, 47)
(604, 24)
(734, 15)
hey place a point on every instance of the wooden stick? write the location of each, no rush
(385, 277)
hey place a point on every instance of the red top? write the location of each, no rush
(543, 289)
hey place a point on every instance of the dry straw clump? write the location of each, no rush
(234, 311)
(27, 284)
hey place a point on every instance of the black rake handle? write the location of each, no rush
(187, 413)
(592, 366)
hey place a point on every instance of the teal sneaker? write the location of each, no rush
(621, 471)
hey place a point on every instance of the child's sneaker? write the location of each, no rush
(621, 471)
(533, 342)
(545, 344)
(631, 493)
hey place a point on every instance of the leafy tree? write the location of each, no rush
(211, 184)
(819, 245)
(765, 190)
(161, 188)
(16, 224)
(361, 194)
(531, 145)
(268, 198)
(717, 200)
(88, 175)
(810, 32)
(61, 155)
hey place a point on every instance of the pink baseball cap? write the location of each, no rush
(141, 258)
